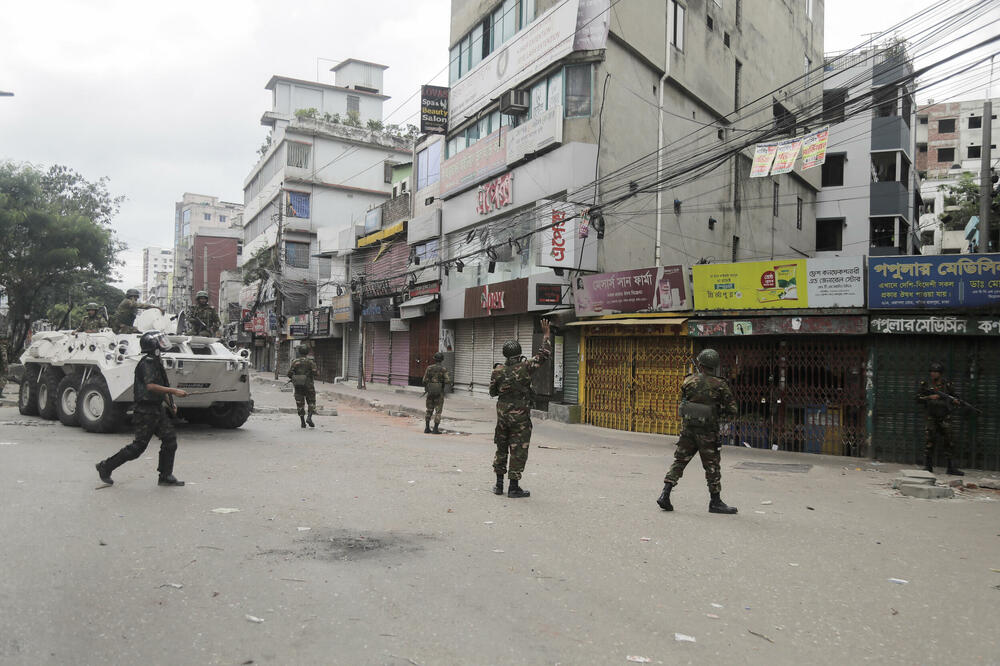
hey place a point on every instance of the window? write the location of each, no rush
(946, 155)
(297, 254)
(921, 147)
(208, 217)
(774, 200)
(454, 65)
(387, 171)
(527, 12)
(222, 219)
(885, 102)
(922, 120)
(830, 235)
(809, 9)
(784, 120)
(739, 13)
(298, 204)
(428, 252)
(736, 85)
(834, 101)
(725, 38)
(882, 231)
(476, 46)
(833, 170)
(353, 104)
(973, 152)
(975, 122)
(429, 165)
(736, 248)
(578, 100)
(946, 126)
(798, 213)
(298, 154)
(676, 10)
(710, 23)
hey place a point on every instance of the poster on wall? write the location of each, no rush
(780, 284)
(662, 289)
(934, 281)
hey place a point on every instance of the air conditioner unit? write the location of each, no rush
(515, 102)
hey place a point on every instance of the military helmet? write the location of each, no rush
(92, 306)
(708, 359)
(201, 294)
(153, 340)
(438, 356)
(302, 350)
(511, 348)
(937, 367)
(132, 292)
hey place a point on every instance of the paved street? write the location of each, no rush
(365, 541)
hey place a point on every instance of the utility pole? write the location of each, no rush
(361, 334)
(985, 180)
(277, 270)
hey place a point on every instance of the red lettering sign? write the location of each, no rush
(558, 229)
(491, 300)
(495, 194)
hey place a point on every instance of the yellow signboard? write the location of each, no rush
(754, 285)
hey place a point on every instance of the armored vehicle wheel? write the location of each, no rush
(66, 397)
(47, 391)
(27, 396)
(194, 414)
(228, 414)
(95, 410)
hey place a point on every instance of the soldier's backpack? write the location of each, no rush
(434, 389)
(299, 379)
(511, 389)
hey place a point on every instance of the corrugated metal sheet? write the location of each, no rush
(525, 334)
(482, 362)
(399, 366)
(571, 366)
(464, 353)
(377, 352)
(353, 351)
(504, 329)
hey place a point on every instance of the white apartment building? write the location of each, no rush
(156, 261)
(195, 214)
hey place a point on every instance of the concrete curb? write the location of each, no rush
(292, 410)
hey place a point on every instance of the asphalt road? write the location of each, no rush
(365, 541)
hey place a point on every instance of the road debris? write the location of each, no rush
(898, 581)
(760, 635)
(644, 539)
(717, 606)
(638, 660)
(712, 616)
(176, 586)
(793, 564)
(225, 509)
(684, 638)
(766, 502)
(254, 619)
(487, 522)
(303, 529)
(497, 550)
(810, 508)
(894, 611)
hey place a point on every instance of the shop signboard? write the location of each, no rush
(662, 289)
(549, 294)
(536, 134)
(342, 309)
(498, 299)
(941, 281)
(808, 325)
(433, 110)
(563, 237)
(379, 309)
(933, 325)
(298, 326)
(319, 324)
(780, 284)
(483, 159)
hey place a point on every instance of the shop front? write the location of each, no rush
(377, 315)
(328, 350)
(421, 315)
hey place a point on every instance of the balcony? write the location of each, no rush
(889, 198)
(890, 133)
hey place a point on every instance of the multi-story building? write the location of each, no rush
(160, 292)
(870, 198)
(155, 262)
(198, 214)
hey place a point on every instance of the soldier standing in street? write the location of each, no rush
(302, 371)
(125, 314)
(704, 398)
(511, 384)
(436, 377)
(938, 408)
(94, 321)
(202, 319)
(150, 389)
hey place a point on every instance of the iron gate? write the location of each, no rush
(800, 394)
(973, 366)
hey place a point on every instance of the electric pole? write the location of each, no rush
(277, 271)
(985, 180)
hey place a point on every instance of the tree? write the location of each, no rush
(55, 236)
(965, 195)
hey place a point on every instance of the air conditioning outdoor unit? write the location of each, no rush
(515, 102)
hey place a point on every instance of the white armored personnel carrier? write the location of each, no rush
(85, 379)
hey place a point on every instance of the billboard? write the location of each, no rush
(660, 289)
(433, 110)
(780, 284)
(941, 281)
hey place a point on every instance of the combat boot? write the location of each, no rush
(104, 471)
(309, 420)
(498, 489)
(954, 471)
(427, 426)
(302, 420)
(169, 480)
(928, 466)
(716, 505)
(664, 498)
(515, 490)
(436, 431)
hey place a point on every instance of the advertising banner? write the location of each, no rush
(763, 157)
(782, 154)
(785, 156)
(319, 324)
(814, 148)
(660, 289)
(941, 281)
(433, 110)
(342, 309)
(379, 309)
(483, 159)
(780, 284)
(538, 133)
(298, 326)
(497, 299)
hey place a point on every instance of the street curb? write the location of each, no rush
(292, 410)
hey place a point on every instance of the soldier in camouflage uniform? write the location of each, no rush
(150, 417)
(202, 318)
(704, 398)
(302, 371)
(512, 385)
(94, 321)
(436, 377)
(125, 314)
(938, 409)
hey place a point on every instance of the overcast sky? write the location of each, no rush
(168, 101)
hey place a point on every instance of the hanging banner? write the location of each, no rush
(814, 148)
(661, 289)
(763, 156)
(785, 156)
(433, 110)
(779, 284)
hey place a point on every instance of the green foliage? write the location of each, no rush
(375, 125)
(965, 195)
(264, 147)
(311, 112)
(333, 119)
(353, 119)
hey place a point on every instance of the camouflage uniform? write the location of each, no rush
(202, 320)
(702, 436)
(512, 384)
(92, 324)
(124, 317)
(938, 427)
(436, 374)
(304, 394)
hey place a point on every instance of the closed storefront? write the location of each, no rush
(377, 348)
(425, 338)
(571, 366)
(399, 358)
(353, 351)
(483, 354)
(969, 349)
(328, 353)
(464, 336)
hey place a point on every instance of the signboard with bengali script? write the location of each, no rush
(940, 281)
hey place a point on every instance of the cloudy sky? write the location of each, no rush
(168, 100)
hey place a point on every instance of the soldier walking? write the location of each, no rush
(704, 398)
(436, 377)
(511, 384)
(938, 410)
(150, 389)
(94, 322)
(202, 319)
(125, 314)
(302, 371)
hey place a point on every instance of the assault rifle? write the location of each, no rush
(964, 404)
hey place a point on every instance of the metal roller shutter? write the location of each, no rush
(482, 362)
(353, 351)
(399, 365)
(463, 354)
(377, 352)
(525, 334)
(504, 329)
(571, 367)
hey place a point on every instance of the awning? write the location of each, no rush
(415, 307)
(365, 241)
(672, 321)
